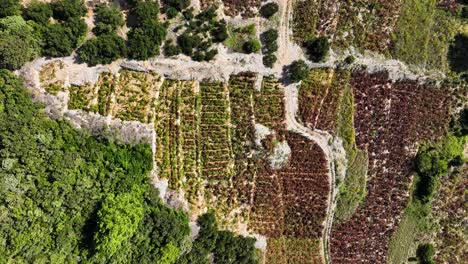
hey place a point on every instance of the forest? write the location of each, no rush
(69, 197)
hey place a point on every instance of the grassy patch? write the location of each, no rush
(353, 189)
(415, 224)
(423, 34)
(239, 36)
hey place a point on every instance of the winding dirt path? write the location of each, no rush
(322, 139)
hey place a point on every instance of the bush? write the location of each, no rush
(188, 43)
(458, 53)
(269, 39)
(269, 9)
(38, 12)
(103, 50)
(171, 49)
(108, 15)
(66, 9)
(350, 59)
(219, 32)
(177, 4)
(298, 71)
(464, 12)
(425, 253)
(171, 12)
(269, 60)
(317, 48)
(251, 46)
(9, 8)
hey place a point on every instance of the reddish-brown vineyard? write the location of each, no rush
(292, 201)
(391, 118)
(245, 8)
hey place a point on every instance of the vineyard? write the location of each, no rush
(357, 23)
(293, 250)
(245, 8)
(390, 119)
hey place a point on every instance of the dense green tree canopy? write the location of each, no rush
(61, 189)
(9, 8)
(66, 9)
(103, 49)
(317, 48)
(18, 44)
(58, 41)
(269, 9)
(109, 18)
(38, 12)
(297, 71)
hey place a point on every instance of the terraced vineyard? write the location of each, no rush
(390, 119)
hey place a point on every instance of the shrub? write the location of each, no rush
(269, 9)
(458, 53)
(317, 48)
(109, 15)
(219, 32)
(269, 60)
(464, 12)
(103, 50)
(66, 9)
(269, 40)
(425, 253)
(177, 4)
(209, 55)
(188, 42)
(251, 46)
(350, 59)
(9, 8)
(171, 12)
(38, 12)
(297, 71)
(171, 49)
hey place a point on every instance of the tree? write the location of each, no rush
(103, 49)
(297, 71)
(15, 51)
(38, 12)
(317, 48)
(109, 17)
(78, 29)
(66, 9)
(9, 8)
(58, 41)
(146, 12)
(18, 44)
(269, 9)
(119, 217)
(145, 42)
(251, 46)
